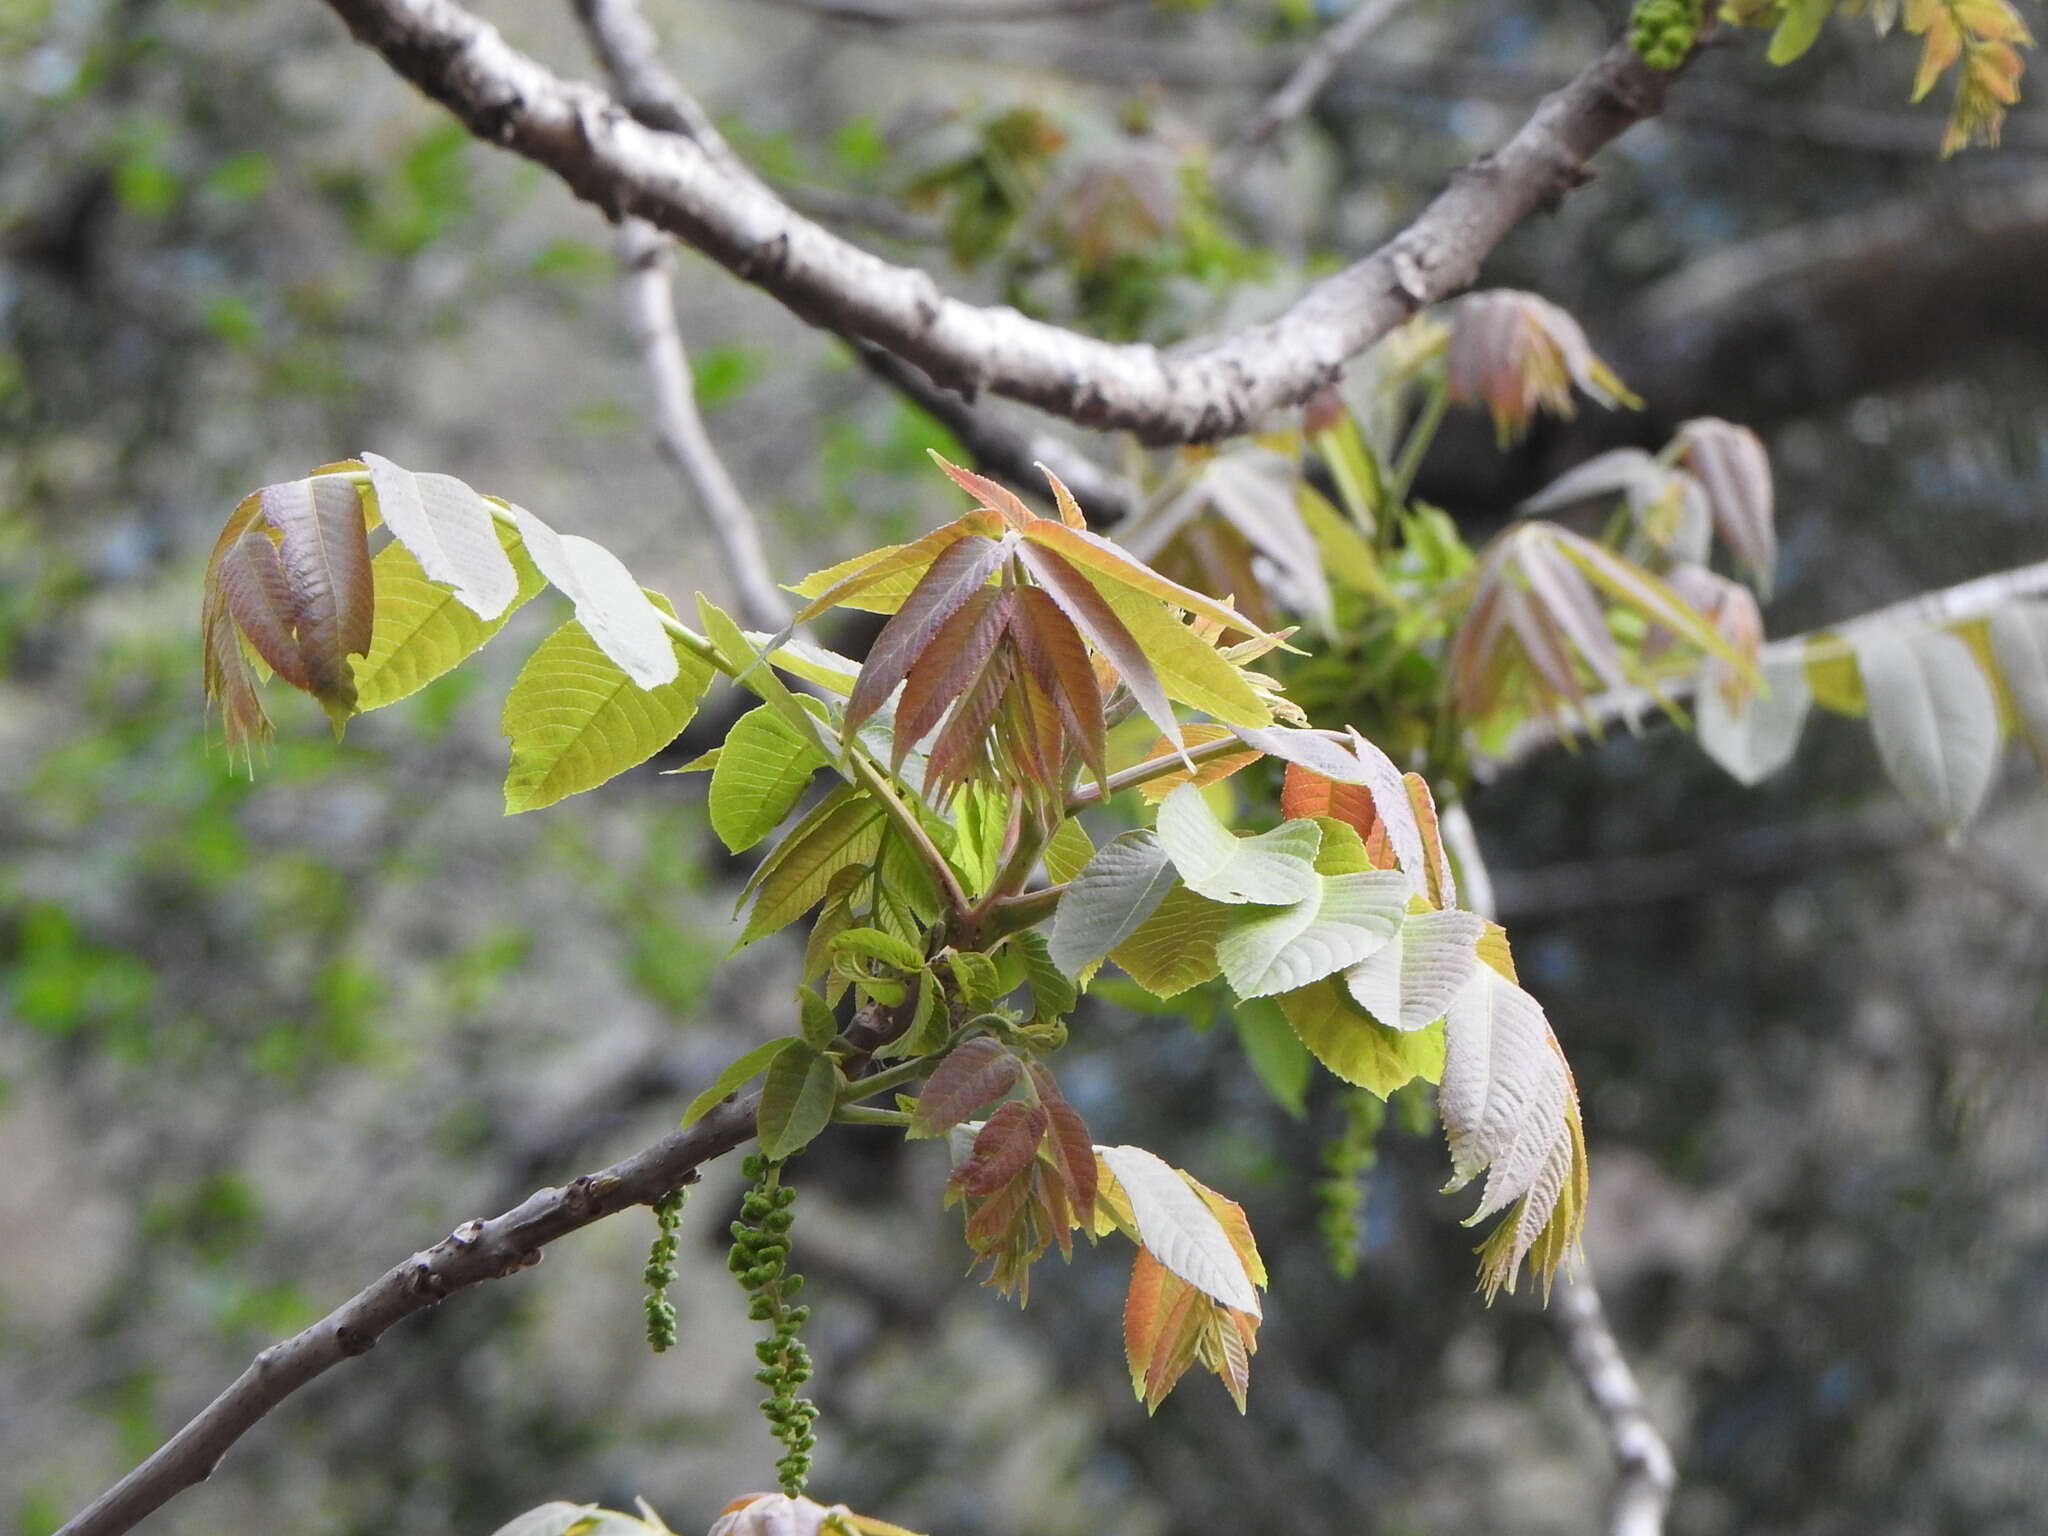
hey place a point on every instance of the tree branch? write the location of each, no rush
(474, 1252)
(651, 309)
(1211, 390)
(1299, 91)
(907, 13)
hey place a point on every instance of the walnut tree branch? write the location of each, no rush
(1208, 390)
(1305, 82)
(474, 1252)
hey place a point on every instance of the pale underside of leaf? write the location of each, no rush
(1354, 760)
(1179, 1229)
(1275, 868)
(619, 617)
(1346, 919)
(1118, 889)
(1409, 983)
(1505, 1092)
(1934, 718)
(423, 629)
(2019, 643)
(1755, 740)
(450, 531)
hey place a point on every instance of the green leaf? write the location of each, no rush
(452, 535)
(1934, 718)
(750, 669)
(421, 630)
(1175, 948)
(809, 661)
(1797, 31)
(1067, 852)
(624, 623)
(743, 1070)
(873, 944)
(815, 1020)
(1344, 920)
(797, 1100)
(981, 815)
(929, 1023)
(762, 769)
(1278, 1058)
(1109, 899)
(1053, 992)
(975, 974)
(1275, 868)
(1189, 668)
(575, 719)
(844, 829)
(1357, 1047)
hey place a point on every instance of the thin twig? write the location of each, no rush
(1644, 1472)
(1305, 83)
(911, 13)
(678, 426)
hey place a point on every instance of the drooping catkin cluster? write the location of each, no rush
(1662, 32)
(760, 1262)
(660, 1273)
(1340, 1193)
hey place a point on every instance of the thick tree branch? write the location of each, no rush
(1950, 605)
(474, 1252)
(651, 309)
(1210, 390)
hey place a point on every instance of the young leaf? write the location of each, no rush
(575, 719)
(1354, 760)
(621, 620)
(1053, 993)
(1210, 770)
(737, 1073)
(1179, 1229)
(1278, 1057)
(1506, 1100)
(1175, 948)
(749, 667)
(882, 579)
(1408, 984)
(993, 498)
(1056, 658)
(1756, 740)
(1356, 1046)
(1306, 795)
(762, 769)
(259, 599)
(815, 1019)
(1004, 1147)
(873, 944)
(977, 1070)
(323, 546)
(1091, 554)
(808, 660)
(1106, 902)
(422, 629)
(797, 1099)
(1274, 868)
(953, 664)
(449, 530)
(1934, 719)
(843, 830)
(1067, 852)
(959, 572)
(1343, 920)
(1439, 884)
(1189, 668)
(1730, 463)
(1068, 1143)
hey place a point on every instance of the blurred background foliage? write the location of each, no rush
(259, 1040)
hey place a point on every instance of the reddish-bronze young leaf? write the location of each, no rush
(1731, 463)
(994, 498)
(961, 752)
(1032, 732)
(325, 551)
(1071, 1147)
(977, 1071)
(957, 574)
(949, 665)
(1056, 659)
(1210, 770)
(260, 601)
(1004, 1148)
(1081, 603)
(1306, 793)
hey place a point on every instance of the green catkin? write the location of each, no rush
(1662, 32)
(1340, 1193)
(660, 1273)
(759, 1261)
